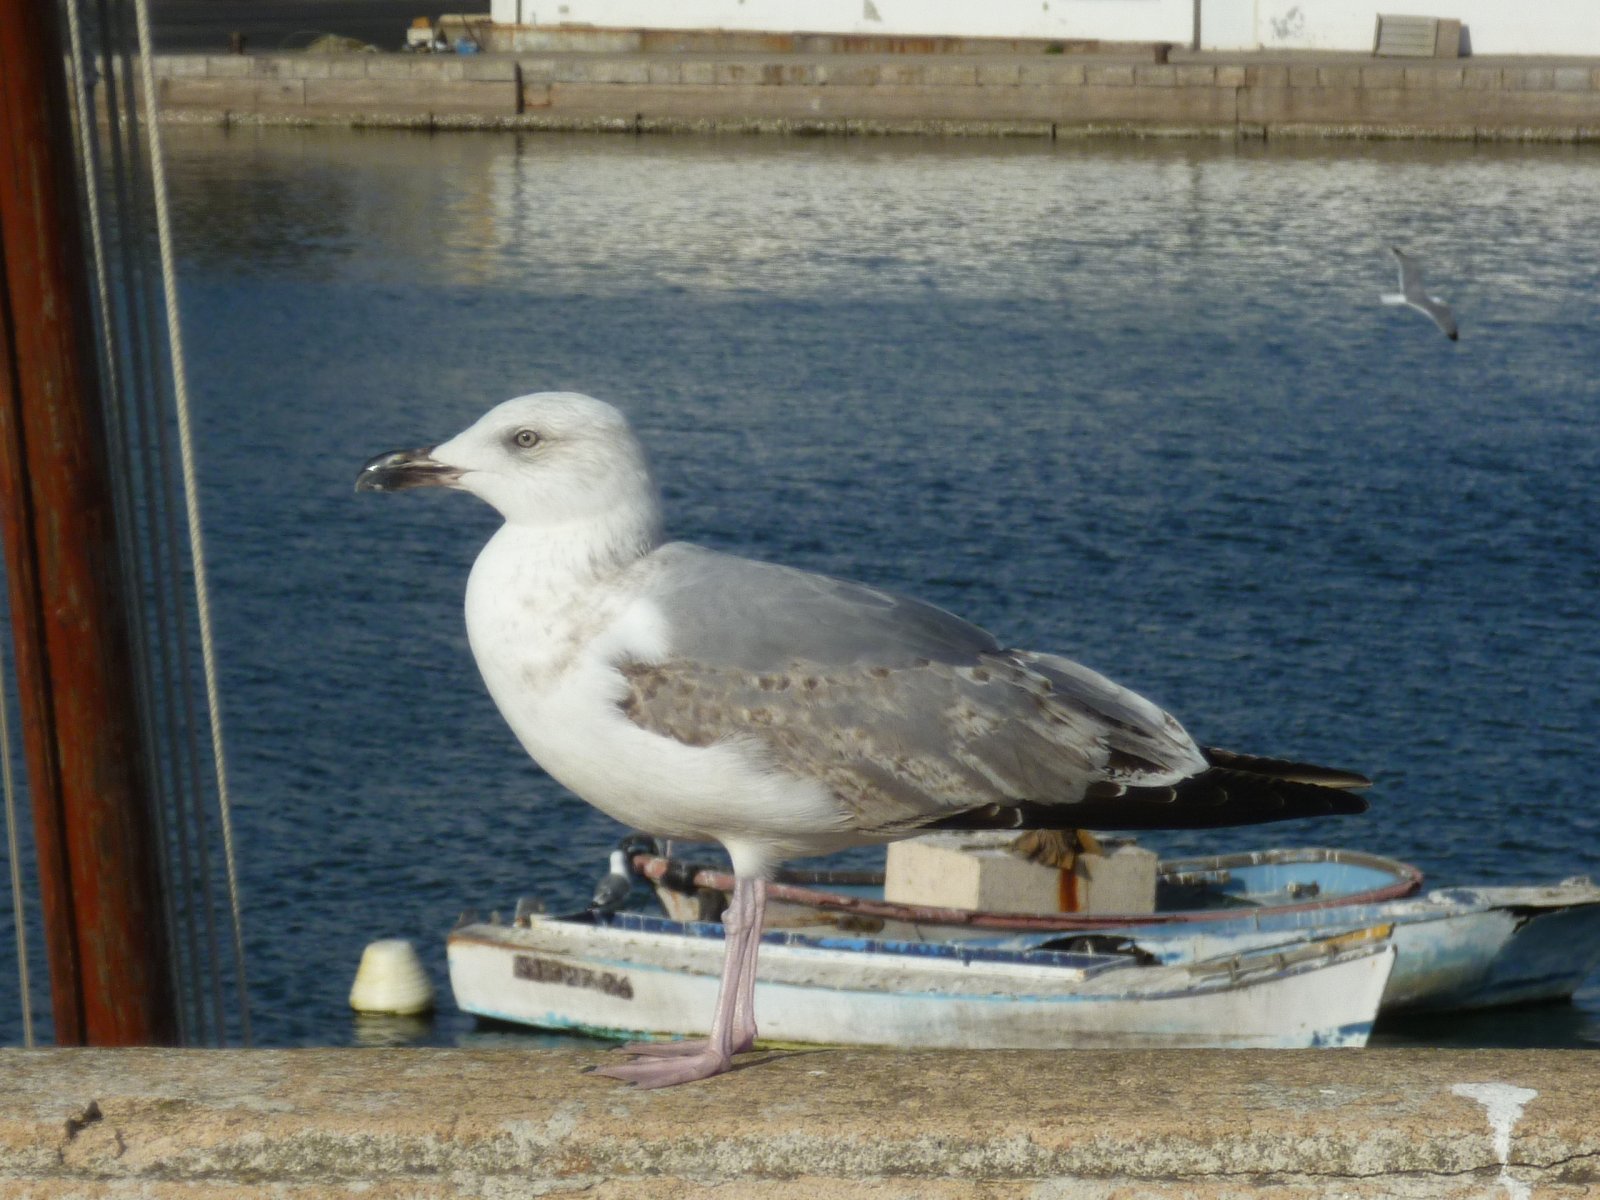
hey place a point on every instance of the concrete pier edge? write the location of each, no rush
(792, 1124)
(1041, 96)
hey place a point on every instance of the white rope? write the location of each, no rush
(140, 383)
(78, 63)
(12, 841)
(191, 497)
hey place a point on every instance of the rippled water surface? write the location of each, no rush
(1136, 403)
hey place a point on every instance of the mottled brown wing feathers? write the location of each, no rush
(898, 747)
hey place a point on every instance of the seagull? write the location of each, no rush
(615, 886)
(702, 696)
(1412, 294)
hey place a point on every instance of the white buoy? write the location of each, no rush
(390, 979)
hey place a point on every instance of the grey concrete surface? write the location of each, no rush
(801, 1125)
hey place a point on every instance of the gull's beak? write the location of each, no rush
(401, 469)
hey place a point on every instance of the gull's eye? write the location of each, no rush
(526, 438)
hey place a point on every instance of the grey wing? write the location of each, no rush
(1145, 744)
(1441, 315)
(722, 610)
(1410, 276)
(907, 714)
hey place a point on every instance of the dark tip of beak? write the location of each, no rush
(401, 469)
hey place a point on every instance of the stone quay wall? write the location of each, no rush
(801, 1125)
(1060, 95)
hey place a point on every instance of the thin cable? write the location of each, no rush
(152, 462)
(79, 65)
(13, 842)
(137, 395)
(169, 278)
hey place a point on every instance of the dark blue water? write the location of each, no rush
(1136, 403)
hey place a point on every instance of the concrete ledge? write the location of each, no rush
(449, 96)
(343, 91)
(796, 93)
(437, 1123)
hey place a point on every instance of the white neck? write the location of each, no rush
(585, 548)
(560, 570)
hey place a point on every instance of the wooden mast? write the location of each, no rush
(100, 890)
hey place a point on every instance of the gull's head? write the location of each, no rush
(551, 458)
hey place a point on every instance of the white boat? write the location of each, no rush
(1458, 948)
(638, 976)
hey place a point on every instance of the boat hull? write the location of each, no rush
(661, 981)
(1457, 948)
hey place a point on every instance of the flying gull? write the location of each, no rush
(706, 697)
(1414, 295)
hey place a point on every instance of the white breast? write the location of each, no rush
(546, 642)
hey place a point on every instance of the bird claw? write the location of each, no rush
(646, 1073)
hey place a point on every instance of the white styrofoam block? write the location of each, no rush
(978, 871)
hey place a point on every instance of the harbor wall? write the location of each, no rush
(1493, 26)
(800, 1125)
(1038, 94)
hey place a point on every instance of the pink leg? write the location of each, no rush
(743, 1023)
(733, 1027)
(744, 1003)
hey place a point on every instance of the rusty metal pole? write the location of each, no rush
(110, 968)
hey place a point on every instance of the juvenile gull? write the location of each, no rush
(701, 696)
(1414, 295)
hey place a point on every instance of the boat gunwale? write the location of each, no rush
(1408, 881)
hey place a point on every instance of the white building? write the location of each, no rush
(1563, 27)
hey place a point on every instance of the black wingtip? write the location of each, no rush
(1285, 769)
(1225, 796)
(1215, 797)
